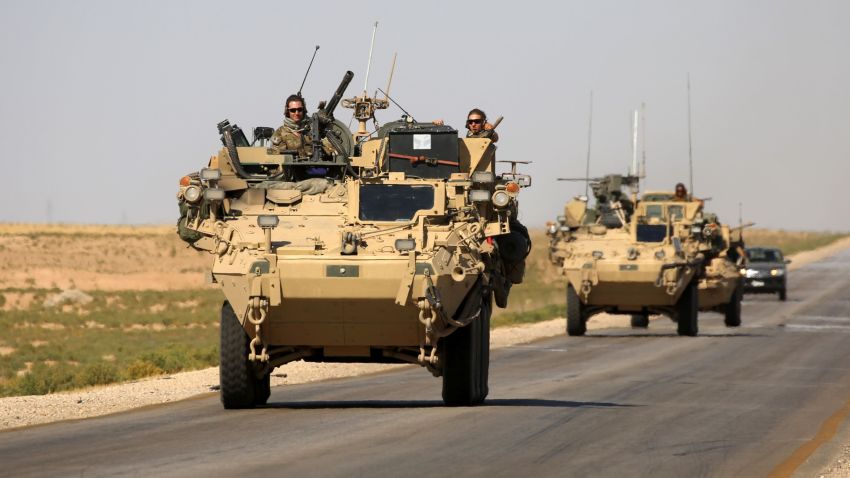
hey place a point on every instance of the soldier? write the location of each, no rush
(477, 126)
(681, 193)
(476, 123)
(293, 135)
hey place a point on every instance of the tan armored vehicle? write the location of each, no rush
(621, 258)
(704, 238)
(385, 249)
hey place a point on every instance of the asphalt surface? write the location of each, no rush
(731, 402)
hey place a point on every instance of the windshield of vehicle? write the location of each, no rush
(394, 202)
(764, 255)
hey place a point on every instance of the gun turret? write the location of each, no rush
(609, 194)
(324, 117)
(334, 101)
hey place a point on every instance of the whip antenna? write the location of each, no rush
(390, 80)
(308, 70)
(369, 64)
(589, 137)
(690, 147)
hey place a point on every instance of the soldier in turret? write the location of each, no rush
(681, 193)
(293, 135)
(478, 127)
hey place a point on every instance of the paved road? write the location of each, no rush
(731, 402)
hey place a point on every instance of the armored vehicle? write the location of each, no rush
(708, 241)
(634, 266)
(386, 248)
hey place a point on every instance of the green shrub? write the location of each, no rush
(97, 374)
(44, 379)
(142, 369)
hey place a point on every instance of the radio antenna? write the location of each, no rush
(369, 64)
(642, 172)
(308, 70)
(399, 106)
(690, 147)
(390, 80)
(589, 137)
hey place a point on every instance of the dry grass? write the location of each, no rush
(87, 229)
(790, 242)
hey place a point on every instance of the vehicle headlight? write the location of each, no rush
(696, 230)
(403, 245)
(659, 254)
(483, 177)
(268, 221)
(552, 229)
(213, 194)
(479, 195)
(777, 272)
(742, 271)
(501, 198)
(192, 194)
(210, 174)
(597, 254)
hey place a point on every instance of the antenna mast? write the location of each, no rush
(390, 80)
(364, 106)
(369, 64)
(308, 70)
(642, 173)
(690, 147)
(634, 143)
(589, 137)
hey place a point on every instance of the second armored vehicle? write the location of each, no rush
(622, 258)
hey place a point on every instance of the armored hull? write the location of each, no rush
(393, 251)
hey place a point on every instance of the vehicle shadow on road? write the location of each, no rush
(496, 402)
(709, 335)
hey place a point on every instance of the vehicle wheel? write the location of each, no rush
(782, 295)
(732, 310)
(687, 311)
(576, 324)
(236, 372)
(640, 321)
(466, 360)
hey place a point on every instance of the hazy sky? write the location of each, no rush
(104, 105)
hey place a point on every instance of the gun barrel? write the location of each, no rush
(334, 101)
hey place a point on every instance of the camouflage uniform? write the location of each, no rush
(292, 137)
(492, 135)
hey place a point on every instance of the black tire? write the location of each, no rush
(782, 295)
(640, 321)
(262, 389)
(687, 311)
(236, 373)
(466, 360)
(732, 310)
(576, 324)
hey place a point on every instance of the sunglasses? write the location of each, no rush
(296, 110)
(474, 121)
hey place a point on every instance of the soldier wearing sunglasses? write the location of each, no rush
(476, 123)
(294, 134)
(477, 126)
